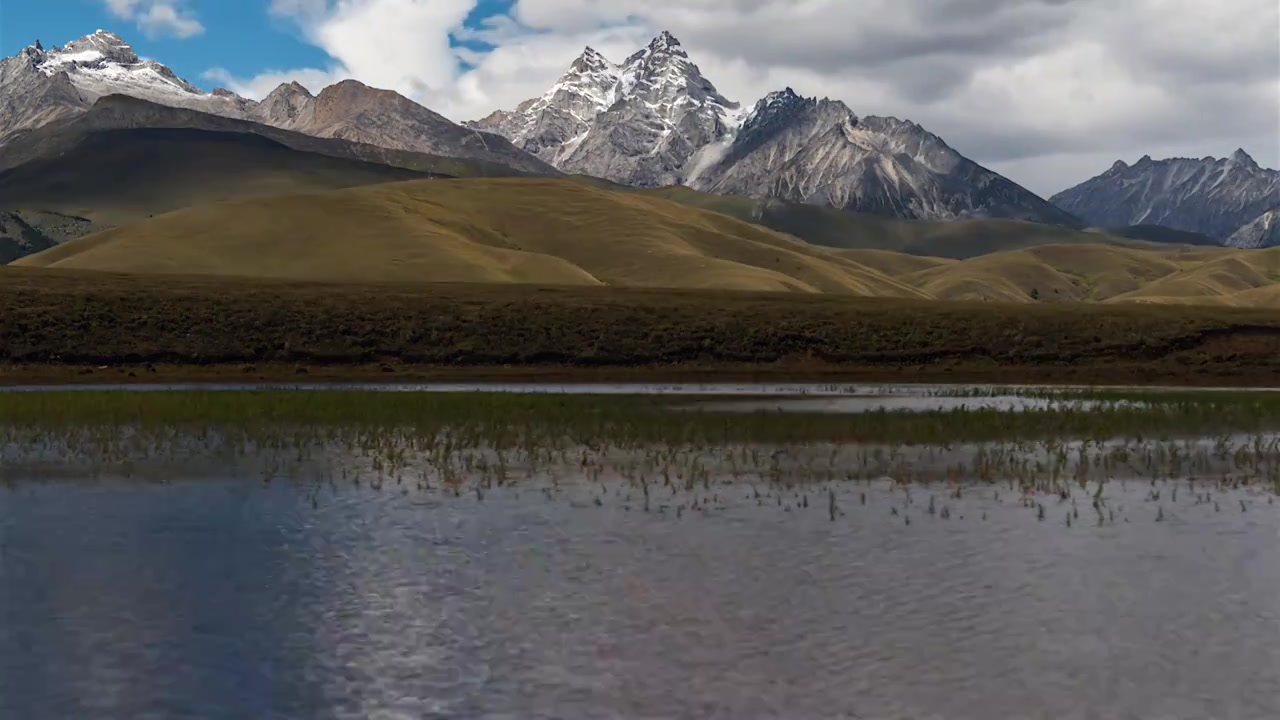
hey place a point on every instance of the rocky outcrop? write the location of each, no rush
(1264, 232)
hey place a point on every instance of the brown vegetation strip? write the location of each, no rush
(52, 321)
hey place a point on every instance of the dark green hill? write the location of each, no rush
(1162, 234)
(115, 177)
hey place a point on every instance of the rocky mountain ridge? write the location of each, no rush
(655, 120)
(1214, 196)
(638, 123)
(39, 86)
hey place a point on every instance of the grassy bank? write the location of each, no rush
(89, 327)
(659, 446)
(508, 419)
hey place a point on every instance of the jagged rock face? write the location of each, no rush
(639, 123)
(545, 125)
(284, 105)
(1210, 196)
(39, 86)
(29, 98)
(1264, 232)
(819, 151)
(655, 120)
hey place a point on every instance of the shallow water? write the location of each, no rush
(235, 598)
(900, 402)
(716, 397)
(535, 388)
(677, 389)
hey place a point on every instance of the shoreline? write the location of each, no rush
(285, 375)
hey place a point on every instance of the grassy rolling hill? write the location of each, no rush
(562, 232)
(474, 231)
(1229, 277)
(115, 177)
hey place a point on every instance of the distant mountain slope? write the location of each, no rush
(853, 230)
(121, 112)
(819, 152)
(39, 86)
(1211, 196)
(20, 236)
(655, 120)
(353, 111)
(120, 176)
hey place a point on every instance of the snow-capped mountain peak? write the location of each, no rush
(777, 104)
(104, 63)
(665, 42)
(102, 46)
(662, 122)
(1240, 157)
(591, 61)
(39, 86)
(664, 45)
(658, 89)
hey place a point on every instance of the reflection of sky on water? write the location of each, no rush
(243, 600)
(125, 601)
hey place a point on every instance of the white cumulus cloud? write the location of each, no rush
(158, 17)
(1049, 92)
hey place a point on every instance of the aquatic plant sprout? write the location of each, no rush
(471, 443)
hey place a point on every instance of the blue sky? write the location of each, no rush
(240, 36)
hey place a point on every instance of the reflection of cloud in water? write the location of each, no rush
(246, 599)
(390, 635)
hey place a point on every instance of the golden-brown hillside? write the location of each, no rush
(561, 232)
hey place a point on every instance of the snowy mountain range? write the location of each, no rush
(39, 86)
(1216, 197)
(655, 120)
(638, 123)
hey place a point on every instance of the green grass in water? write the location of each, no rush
(503, 418)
